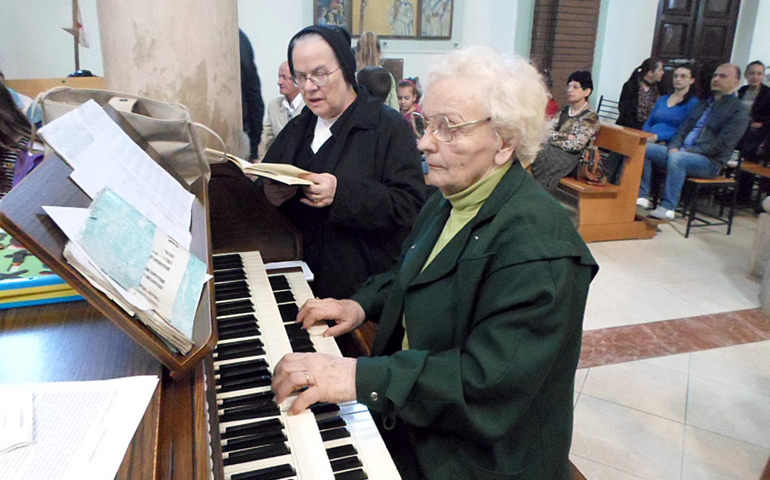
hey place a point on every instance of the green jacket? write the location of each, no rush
(495, 323)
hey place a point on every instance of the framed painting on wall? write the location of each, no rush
(436, 18)
(333, 12)
(407, 19)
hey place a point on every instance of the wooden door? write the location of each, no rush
(695, 31)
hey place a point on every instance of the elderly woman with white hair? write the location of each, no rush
(480, 322)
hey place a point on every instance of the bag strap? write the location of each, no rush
(215, 135)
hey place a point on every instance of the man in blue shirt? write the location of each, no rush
(702, 145)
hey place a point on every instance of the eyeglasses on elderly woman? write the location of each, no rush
(439, 126)
(319, 78)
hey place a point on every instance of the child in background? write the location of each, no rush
(408, 92)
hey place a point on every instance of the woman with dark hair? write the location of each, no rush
(670, 110)
(15, 131)
(756, 96)
(574, 126)
(640, 93)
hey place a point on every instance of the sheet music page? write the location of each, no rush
(81, 429)
(102, 155)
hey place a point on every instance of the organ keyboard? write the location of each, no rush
(255, 318)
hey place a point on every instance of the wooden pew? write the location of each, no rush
(32, 86)
(609, 212)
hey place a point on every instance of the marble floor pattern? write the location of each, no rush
(674, 379)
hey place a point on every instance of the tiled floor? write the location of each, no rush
(668, 396)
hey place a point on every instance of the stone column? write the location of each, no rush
(183, 51)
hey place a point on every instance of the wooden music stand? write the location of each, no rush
(22, 216)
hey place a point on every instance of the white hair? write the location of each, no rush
(509, 87)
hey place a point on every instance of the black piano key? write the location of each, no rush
(248, 399)
(245, 371)
(358, 474)
(346, 450)
(230, 286)
(332, 422)
(288, 312)
(302, 344)
(256, 440)
(278, 282)
(284, 296)
(294, 329)
(233, 294)
(324, 407)
(236, 306)
(346, 464)
(270, 473)
(269, 425)
(257, 453)
(248, 319)
(226, 351)
(221, 262)
(231, 355)
(238, 331)
(229, 275)
(229, 385)
(334, 434)
(303, 349)
(251, 411)
(238, 367)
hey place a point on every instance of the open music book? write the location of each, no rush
(278, 172)
(136, 264)
(132, 243)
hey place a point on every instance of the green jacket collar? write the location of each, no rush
(448, 257)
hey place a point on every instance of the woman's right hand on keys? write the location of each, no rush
(347, 314)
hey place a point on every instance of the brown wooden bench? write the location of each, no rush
(32, 86)
(609, 212)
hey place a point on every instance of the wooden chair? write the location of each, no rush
(693, 187)
(608, 109)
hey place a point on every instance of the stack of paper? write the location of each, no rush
(81, 429)
(136, 264)
(133, 242)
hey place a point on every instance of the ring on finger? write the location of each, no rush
(307, 379)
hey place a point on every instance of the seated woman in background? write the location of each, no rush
(14, 138)
(409, 97)
(670, 110)
(756, 96)
(640, 93)
(574, 127)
